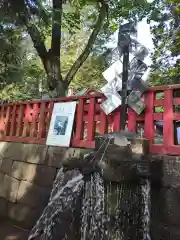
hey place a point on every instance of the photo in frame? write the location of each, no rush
(61, 124)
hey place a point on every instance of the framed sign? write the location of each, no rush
(61, 124)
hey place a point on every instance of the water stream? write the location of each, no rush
(88, 208)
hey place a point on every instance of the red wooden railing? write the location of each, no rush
(28, 121)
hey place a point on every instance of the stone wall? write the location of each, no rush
(165, 198)
(27, 172)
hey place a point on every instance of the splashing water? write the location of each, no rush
(56, 221)
(146, 188)
(106, 210)
(93, 211)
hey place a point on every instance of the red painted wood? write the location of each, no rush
(116, 121)
(176, 101)
(164, 87)
(27, 120)
(79, 120)
(34, 117)
(132, 120)
(2, 125)
(91, 124)
(20, 120)
(13, 121)
(23, 139)
(103, 123)
(149, 117)
(168, 129)
(41, 129)
(7, 121)
(176, 116)
(157, 149)
(83, 143)
(48, 118)
(33, 132)
(158, 102)
(158, 116)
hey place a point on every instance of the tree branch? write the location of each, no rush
(84, 55)
(38, 43)
(56, 28)
(51, 58)
(35, 35)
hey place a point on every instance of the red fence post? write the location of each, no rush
(102, 123)
(13, 121)
(7, 121)
(20, 120)
(79, 120)
(34, 120)
(168, 129)
(48, 116)
(149, 117)
(41, 129)
(28, 121)
(91, 123)
(117, 119)
(131, 120)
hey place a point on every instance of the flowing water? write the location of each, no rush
(87, 208)
(146, 188)
(57, 219)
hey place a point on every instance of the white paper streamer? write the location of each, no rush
(138, 70)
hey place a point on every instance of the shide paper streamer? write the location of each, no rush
(137, 75)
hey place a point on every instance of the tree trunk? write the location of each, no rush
(55, 82)
(51, 58)
(58, 86)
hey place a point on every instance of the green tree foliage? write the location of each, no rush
(166, 33)
(10, 55)
(21, 71)
(56, 18)
(90, 73)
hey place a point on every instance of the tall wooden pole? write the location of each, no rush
(124, 87)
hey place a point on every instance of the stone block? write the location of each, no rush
(42, 175)
(35, 153)
(45, 176)
(23, 171)
(23, 215)
(14, 151)
(156, 167)
(171, 173)
(140, 146)
(32, 195)
(3, 208)
(165, 217)
(9, 188)
(56, 155)
(6, 165)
